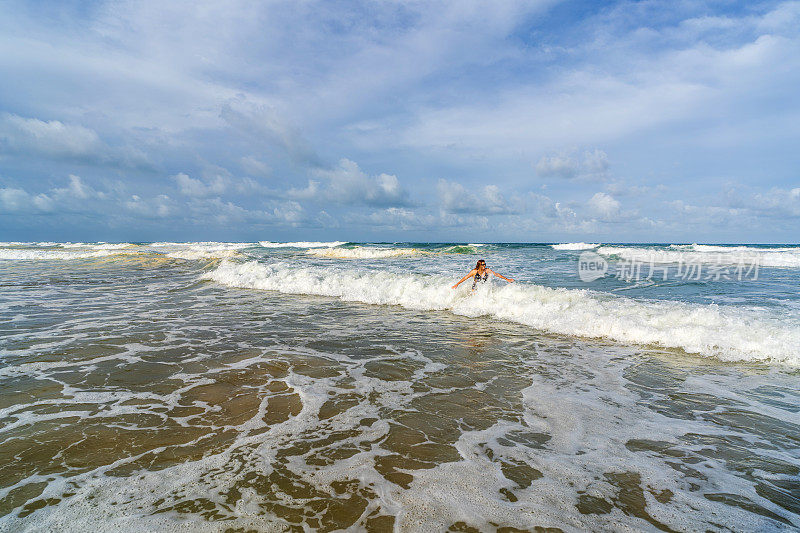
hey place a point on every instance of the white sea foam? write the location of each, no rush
(193, 255)
(574, 246)
(362, 252)
(172, 250)
(40, 244)
(729, 255)
(747, 249)
(94, 245)
(201, 250)
(14, 254)
(728, 333)
(301, 244)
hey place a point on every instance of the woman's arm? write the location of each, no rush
(500, 275)
(471, 273)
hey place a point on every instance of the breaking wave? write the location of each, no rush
(301, 244)
(462, 249)
(574, 246)
(10, 254)
(728, 333)
(361, 252)
(731, 255)
(72, 251)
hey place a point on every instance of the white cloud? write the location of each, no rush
(50, 138)
(604, 206)
(263, 123)
(77, 196)
(614, 85)
(20, 201)
(57, 140)
(397, 217)
(347, 184)
(195, 187)
(77, 189)
(777, 202)
(289, 212)
(160, 206)
(255, 167)
(570, 164)
(486, 200)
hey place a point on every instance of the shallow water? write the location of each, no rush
(148, 392)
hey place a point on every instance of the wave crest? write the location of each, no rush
(574, 246)
(729, 255)
(728, 333)
(362, 252)
(301, 244)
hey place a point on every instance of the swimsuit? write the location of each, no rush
(479, 278)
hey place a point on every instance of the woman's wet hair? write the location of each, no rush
(478, 264)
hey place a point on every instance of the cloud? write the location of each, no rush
(604, 206)
(56, 140)
(262, 123)
(289, 212)
(774, 203)
(194, 187)
(132, 92)
(571, 164)
(397, 218)
(20, 201)
(347, 184)
(486, 200)
(76, 197)
(255, 167)
(49, 138)
(779, 202)
(77, 189)
(160, 206)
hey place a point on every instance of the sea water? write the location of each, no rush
(325, 386)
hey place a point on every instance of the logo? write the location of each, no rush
(591, 266)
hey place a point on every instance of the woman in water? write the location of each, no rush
(480, 273)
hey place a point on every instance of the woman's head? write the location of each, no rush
(480, 265)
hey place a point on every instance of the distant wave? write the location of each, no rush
(574, 246)
(368, 252)
(768, 257)
(462, 249)
(93, 245)
(301, 244)
(58, 255)
(363, 252)
(728, 333)
(197, 254)
(50, 244)
(74, 251)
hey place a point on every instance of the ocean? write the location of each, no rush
(324, 386)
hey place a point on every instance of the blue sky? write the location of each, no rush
(667, 121)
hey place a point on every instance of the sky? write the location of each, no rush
(463, 121)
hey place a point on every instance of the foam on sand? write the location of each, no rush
(728, 333)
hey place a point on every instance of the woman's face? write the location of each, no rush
(481, 265)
